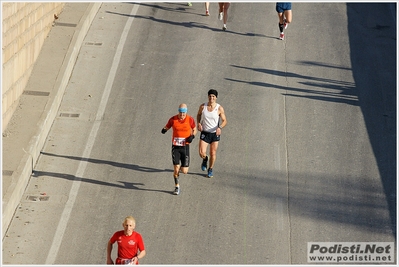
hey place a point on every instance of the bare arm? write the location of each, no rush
(139, 256)
(199, 115)
(109, 250)
(222, 115)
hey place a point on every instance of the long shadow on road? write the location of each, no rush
(345, 203)
(373, 58)
(372, 37)
(343, 91)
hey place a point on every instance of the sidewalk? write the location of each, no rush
(27, 131)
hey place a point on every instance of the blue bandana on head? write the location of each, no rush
(183, 110)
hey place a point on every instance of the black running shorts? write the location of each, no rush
(209, 137)
(181, 154)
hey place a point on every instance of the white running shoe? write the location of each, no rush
(221, 16)
(281, 36)
(285, 24)
(177, 190)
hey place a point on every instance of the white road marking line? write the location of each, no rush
(59, 234)
(277, 164)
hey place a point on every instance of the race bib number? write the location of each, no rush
(121, 261)
(178, 141)
(127, 262)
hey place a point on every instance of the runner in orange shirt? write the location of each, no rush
(184, 131)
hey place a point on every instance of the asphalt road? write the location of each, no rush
(308, 155)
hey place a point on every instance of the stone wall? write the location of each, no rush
(25, 27)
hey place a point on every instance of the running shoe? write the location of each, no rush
(189, 4)
(204, 163)
(224, 27)
(285, 24)
(210, 173)
(221, 16)
(207, 13)
(177, 190)
(281, 36)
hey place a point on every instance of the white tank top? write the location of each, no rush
(210, 120)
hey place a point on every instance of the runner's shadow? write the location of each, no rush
(129, 185)
(70, 177)
(203, 174)
(112, 163)
(188, 24)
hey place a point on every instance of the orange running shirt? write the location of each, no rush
(181, 129)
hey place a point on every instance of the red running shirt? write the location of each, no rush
(128, 246)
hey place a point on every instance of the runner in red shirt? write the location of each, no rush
(130, 244)
(184, 131)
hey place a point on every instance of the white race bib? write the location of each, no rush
(179, 141)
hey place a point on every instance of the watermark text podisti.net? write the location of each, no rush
(351, 252)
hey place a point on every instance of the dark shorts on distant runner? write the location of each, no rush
(281, 7)
(209, 137)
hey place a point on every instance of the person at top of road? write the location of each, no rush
(210, 119)
(223, 8)
(184, 131)
(284, 13)
(130, 244)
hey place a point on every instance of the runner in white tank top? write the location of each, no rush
(210, 119)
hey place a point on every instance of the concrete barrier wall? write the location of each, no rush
(12, 194)
(25, 27)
